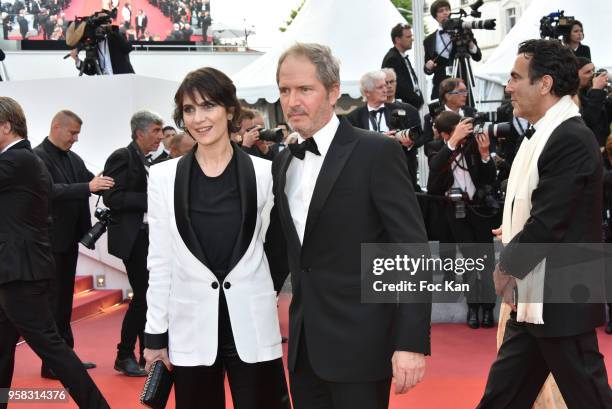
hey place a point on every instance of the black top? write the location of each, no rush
(214, 208)
(583, 51)
(62, 157)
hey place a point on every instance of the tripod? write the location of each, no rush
(91, 63)
(462, 68)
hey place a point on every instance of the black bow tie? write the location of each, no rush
(529, 132)
(375, 112)
(299, 149)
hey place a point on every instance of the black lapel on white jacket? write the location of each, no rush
(247, 183)
(181, 206)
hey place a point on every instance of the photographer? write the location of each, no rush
(607, 221)
(73, 183)
(378, 115)
(460, 164)
(251, 123)
(128, 235)
(440, 50)
(593, 100)
(112, 49)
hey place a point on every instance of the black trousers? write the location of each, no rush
(24, 310)
(524, 362)
(61, 292)
(309, 391)
(136, 315)
(260, 385)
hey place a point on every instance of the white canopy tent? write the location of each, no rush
(356, 30)
(593, 14)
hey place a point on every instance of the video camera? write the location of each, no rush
(459, 30)
(91, 237)
(96, 26)
(556, 25)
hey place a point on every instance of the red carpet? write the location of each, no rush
(455, 378)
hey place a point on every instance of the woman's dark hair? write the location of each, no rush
(212, 85)
(567, 36)
(550, 57)
(447, 121)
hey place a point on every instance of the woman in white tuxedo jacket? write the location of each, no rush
(211, 298)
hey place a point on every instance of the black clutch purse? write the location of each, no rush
(157, 387)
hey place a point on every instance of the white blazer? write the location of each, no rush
(183, 294)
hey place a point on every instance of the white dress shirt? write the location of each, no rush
(444, 44)
(302, 175)
(10, 145)
(380, 120)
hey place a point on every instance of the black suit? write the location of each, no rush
(26, 266)
(141, 28)
(363, 194)
(128, 236)
(360, 118)
(119, 50)
(70, 221)
(405, 89)
(566, 208)
(439, 72)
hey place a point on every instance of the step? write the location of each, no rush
(94, 302)
(83, 283)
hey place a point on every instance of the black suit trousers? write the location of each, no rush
(136, 315)
(61, 292)
(24, 310)
(309, 391)
(524, 362)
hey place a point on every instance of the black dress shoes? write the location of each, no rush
(472, 318)
(89, 365)
(487, 319)
(129, 367)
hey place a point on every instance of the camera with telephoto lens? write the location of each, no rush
(556, 25)
(104, 220)
(96, 26)
(485, 122)
(459, 29)
(271, 135)
(456, 196)
(397, 122)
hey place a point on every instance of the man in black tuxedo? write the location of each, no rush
(141, 24)
(71, 219)
(113, 54)
(439, 48)
(128, 236)
(26, 263)
(377, 115)
(565, 207)
(408, 89)
(461, 160)
(340, 187)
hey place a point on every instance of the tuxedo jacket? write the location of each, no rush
(566, 207)
(363, 194)
(405, 89)
(70, 213)
(439, 72)
(145, 22)
(127, 200)
(183, 295)
(25, 251)
(360, 118)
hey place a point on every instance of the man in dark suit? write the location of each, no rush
(565, 207)
(26, 263)
(340, 187)
(71, 219)
(463, 163)
(115, 61)
(408, 89)
(378, 115)
(141, 24)
(440, 51)
(168, 133)
(128, 236)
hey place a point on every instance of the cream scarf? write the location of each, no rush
(522, 182)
